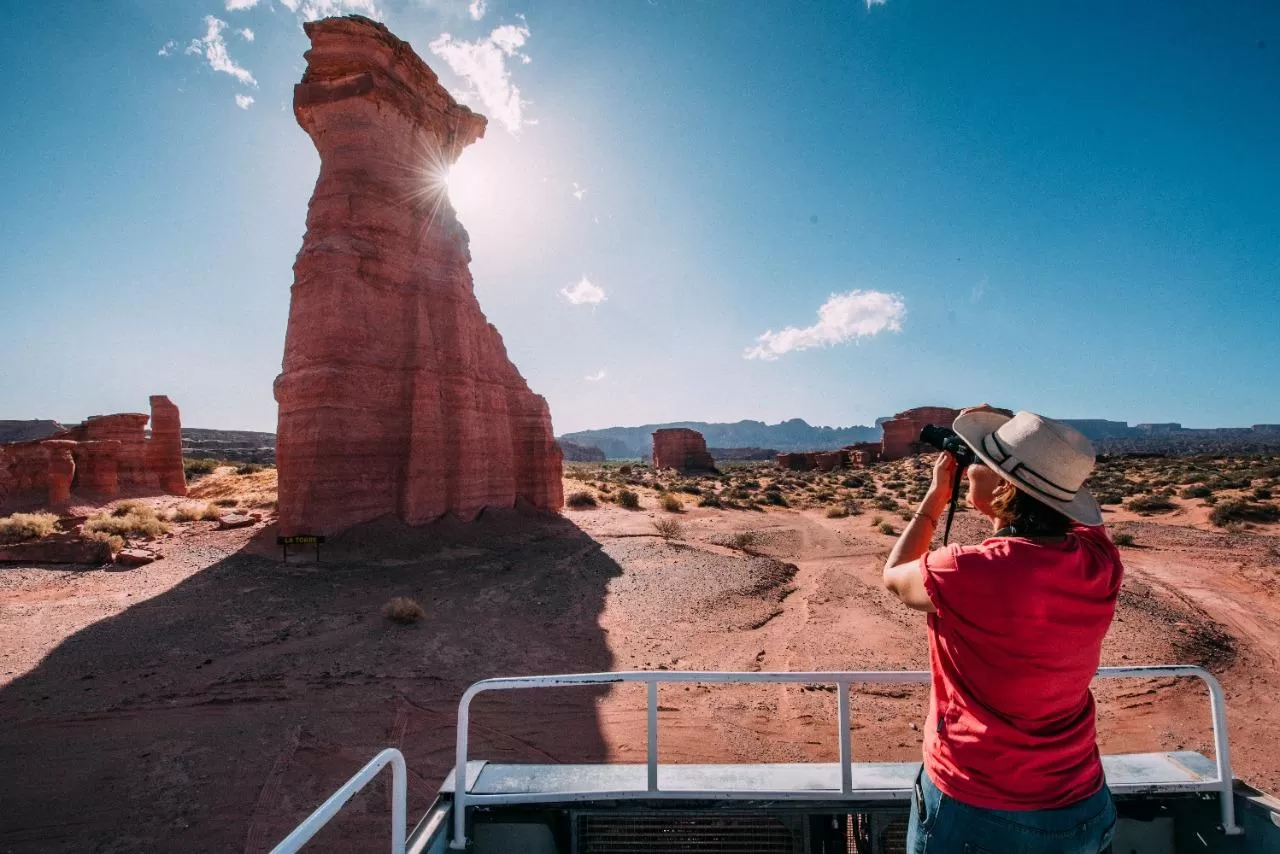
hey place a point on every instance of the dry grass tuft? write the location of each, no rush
(670, 503)
(580, 499)
(403, 610)
(207, 512)
(114, 542)
(129, 519)
(669, 529)
(27, 526)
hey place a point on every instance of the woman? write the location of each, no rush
(1011, 763)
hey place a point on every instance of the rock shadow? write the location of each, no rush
(216, 715)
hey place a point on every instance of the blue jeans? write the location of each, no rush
(942, 825)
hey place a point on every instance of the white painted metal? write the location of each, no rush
(841, 679)
(327, 810)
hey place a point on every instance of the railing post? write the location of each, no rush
(651, 762)
(846, 752)
(327, 810)
(1222, 754)
(459, 840)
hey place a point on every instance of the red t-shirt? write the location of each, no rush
(1013, 647)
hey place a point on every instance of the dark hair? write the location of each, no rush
(1025, 514)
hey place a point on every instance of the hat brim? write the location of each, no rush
(974, 427)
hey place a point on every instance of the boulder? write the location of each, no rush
(136, 557)
(396, 395)
(236, 520)
(60, 548)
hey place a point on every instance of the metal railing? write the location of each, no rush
(327, 810)
(841, 679)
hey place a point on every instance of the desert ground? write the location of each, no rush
(208, 701)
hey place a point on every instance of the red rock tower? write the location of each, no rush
(682, 449)
(396, 395)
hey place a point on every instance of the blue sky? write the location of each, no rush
(1070, 208)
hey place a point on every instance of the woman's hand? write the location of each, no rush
(944, 471)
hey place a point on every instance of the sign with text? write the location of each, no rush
(300, 540)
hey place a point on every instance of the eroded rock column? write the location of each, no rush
(396, 395)
(61, 470)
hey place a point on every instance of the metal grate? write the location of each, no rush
(701, 832)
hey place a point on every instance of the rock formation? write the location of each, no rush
(396, 395)
(682, 449)
(902, 432)
(164, 448)
(60, 470)
(100, 456)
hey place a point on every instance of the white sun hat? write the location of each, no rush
(1045, 458)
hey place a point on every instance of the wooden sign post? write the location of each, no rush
(300, 540)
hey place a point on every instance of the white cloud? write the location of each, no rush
(483, 64)
(214, 48)
(310, 10)
(476, 9)
(871, 3)
(842, 318)
(597, 376)
(584, 293)
(243, 101)
(237, 5)
(579, 192)
(246, 34)
(168, 48)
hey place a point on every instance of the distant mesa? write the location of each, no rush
(681, 449)
(396, 396)
(101, 457)
(621, 443)
(575, 453)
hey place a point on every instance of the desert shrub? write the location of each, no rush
(605, 487)
(743, 541)
(196, 512)
(824, 495)
(249, 468)
(710, 500)
(1262, 493)
(1196, 492)
(837, 511)
(876, 520)
(906, 515)
(670, 503)
(669, 529)
(624, 470)
(114, 542)
(776, 499)
(27, 526)
(1243, 511)
(137, 520)
(1122, 539)
(853, 481)
(853, 508)
(196, 467)
(227, 502)
(582, 498)
(1227, 482)
(628, 499)
(884, 502)
(403, 610)
(886, 528)
(1150, 504)
(689, 489)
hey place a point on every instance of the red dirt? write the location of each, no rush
(210, 700)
